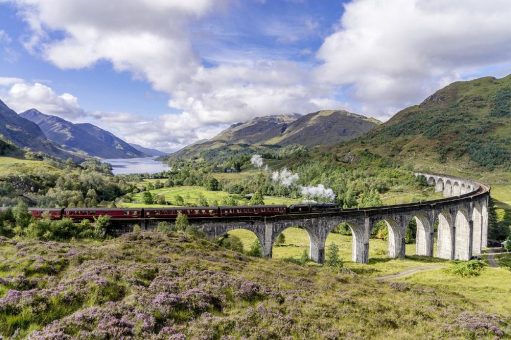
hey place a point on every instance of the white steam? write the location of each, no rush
(257, 161)
(284, 177)
(318, 193)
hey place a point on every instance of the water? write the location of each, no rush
(136, 166)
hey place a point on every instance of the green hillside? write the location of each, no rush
(462, 128)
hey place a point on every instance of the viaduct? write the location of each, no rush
(460, 220)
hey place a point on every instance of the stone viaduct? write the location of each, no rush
(458, 223)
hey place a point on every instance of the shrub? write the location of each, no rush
(332, 257)
(137, 229)
(164, 227)
(147, 198)
(343, 229)
(101, 224)
(467, 268)
(181, 222)
(255, 249)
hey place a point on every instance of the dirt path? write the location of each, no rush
(410, 271)
(492, 262)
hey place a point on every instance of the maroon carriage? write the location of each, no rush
(53, 214)
(171, 213)
(91, 213)
(255, 210)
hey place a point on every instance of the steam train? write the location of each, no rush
(127, 214)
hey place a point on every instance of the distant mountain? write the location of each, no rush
(82, 138)
(24, 133)
(148, 151)
(319, 128)
(464, 127)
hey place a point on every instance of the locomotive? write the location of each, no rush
(130, 214)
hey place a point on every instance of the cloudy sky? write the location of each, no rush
(165, 73)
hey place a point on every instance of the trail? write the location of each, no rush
(410, 271)
(491, 261)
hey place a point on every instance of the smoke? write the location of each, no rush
(287, 178)
(257, 161)
(284, 177)
(318, 193)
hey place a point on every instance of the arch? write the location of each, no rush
(448, 188)
(345, 237)
(423, 236)
(456, 189)
(430, 180)
(395, 236)
(477, 229)
(439, 186)
(445, 235)
(462, 243)
(463, 189)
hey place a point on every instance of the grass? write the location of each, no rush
(138, 276)
(13, 166)
(192, 195)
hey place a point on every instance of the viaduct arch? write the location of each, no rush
(462, 217)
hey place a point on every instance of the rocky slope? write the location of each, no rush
(24, 133)
(87, 139)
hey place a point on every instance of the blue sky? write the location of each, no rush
(183, 71)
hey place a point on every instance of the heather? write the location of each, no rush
(156, 285)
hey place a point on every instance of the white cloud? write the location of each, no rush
(152, 40)
(22, 96)
(396, 52)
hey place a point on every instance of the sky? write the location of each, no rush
(166, 73)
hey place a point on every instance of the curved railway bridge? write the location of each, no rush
(461, 218)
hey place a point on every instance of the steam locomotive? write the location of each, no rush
(127, 214)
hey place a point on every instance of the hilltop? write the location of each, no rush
(328, 127)
(86, 139)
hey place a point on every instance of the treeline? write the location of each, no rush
(86, 185)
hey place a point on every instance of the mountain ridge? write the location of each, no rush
(83, 138)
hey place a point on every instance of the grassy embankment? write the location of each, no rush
(12, 166)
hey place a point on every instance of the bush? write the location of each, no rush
(332, 257)
(467, 268)
(164, 227)
(181, 222)
(343, 229)
(255, 249)
(101, 224)
(147, 198)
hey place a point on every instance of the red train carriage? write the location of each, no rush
(53, 214)
(91, 213)
(171, 213)
(255, 210)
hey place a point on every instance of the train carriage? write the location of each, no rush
(171, 213)
(52, 213)
(113, 213)
(255, 210)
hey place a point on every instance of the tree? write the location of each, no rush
(332, 257)
(281, 240)
(498, 230)
(213, 184)
(181, 222)
(101, 224)
(257, 198)
(22, 216)
(147, 198)
(180, 200)
(160, 199)
(232, 242)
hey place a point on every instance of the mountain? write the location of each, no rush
(327, 127)
(82, 138)
(24, 133)
(462, 127)
(148, 151)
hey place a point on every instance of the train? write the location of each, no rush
(128, 214)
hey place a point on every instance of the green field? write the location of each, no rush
(192, 195)
(12, 166)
